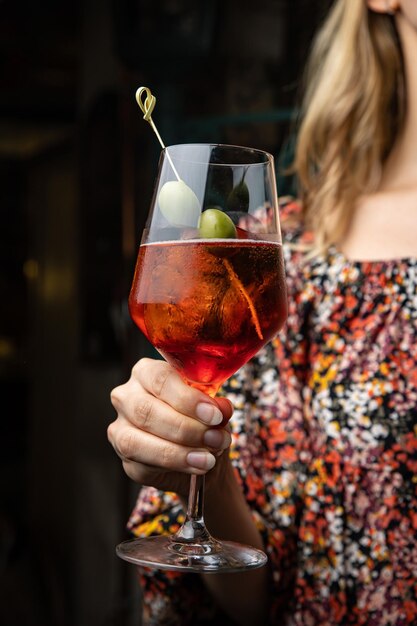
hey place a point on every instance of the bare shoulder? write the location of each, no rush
(383, 226)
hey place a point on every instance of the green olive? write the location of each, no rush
(215, 224)
(179, 204)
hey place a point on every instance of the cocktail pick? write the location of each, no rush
(147, 106)
(177, 201)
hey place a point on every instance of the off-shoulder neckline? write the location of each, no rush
(336, 253)
(292, 205)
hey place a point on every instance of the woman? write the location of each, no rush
(322, 472)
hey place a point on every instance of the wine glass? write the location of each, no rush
(208, 292)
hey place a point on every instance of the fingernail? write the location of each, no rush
(209, 414)
(201, 460)
(214, 439)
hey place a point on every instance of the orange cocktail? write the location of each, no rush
(208, 306)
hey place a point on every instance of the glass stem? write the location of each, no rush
(193, 529)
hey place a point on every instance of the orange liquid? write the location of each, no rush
(209, 305)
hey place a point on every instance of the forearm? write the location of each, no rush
(243, 596)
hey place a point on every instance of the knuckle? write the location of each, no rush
(168, 457)
(182, 434)
(116, 397)
(140, 367)
(184, 395)
(154, 374)
(178, 430)
(125, 444)
(159, 380)
(137, 369)
(110, 432)
(143, 412)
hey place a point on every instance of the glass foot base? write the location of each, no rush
(209, 557)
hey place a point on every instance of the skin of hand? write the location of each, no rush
(166, 430)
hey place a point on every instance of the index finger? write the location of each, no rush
(160, 380)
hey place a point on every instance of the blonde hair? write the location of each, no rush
(352, 112)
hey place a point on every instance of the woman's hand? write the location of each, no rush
(166, 429)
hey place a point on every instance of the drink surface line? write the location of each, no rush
(231, 242)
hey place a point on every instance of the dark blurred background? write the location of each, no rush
(77, 164)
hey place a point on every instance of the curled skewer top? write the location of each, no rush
(147, 105)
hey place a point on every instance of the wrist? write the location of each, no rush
(225, 504)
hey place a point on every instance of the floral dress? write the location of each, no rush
(325, 449)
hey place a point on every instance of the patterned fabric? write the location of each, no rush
(325, 448)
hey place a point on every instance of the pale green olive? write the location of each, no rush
(179, 204)
(214, 224)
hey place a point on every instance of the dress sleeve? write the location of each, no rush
(269, 451)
